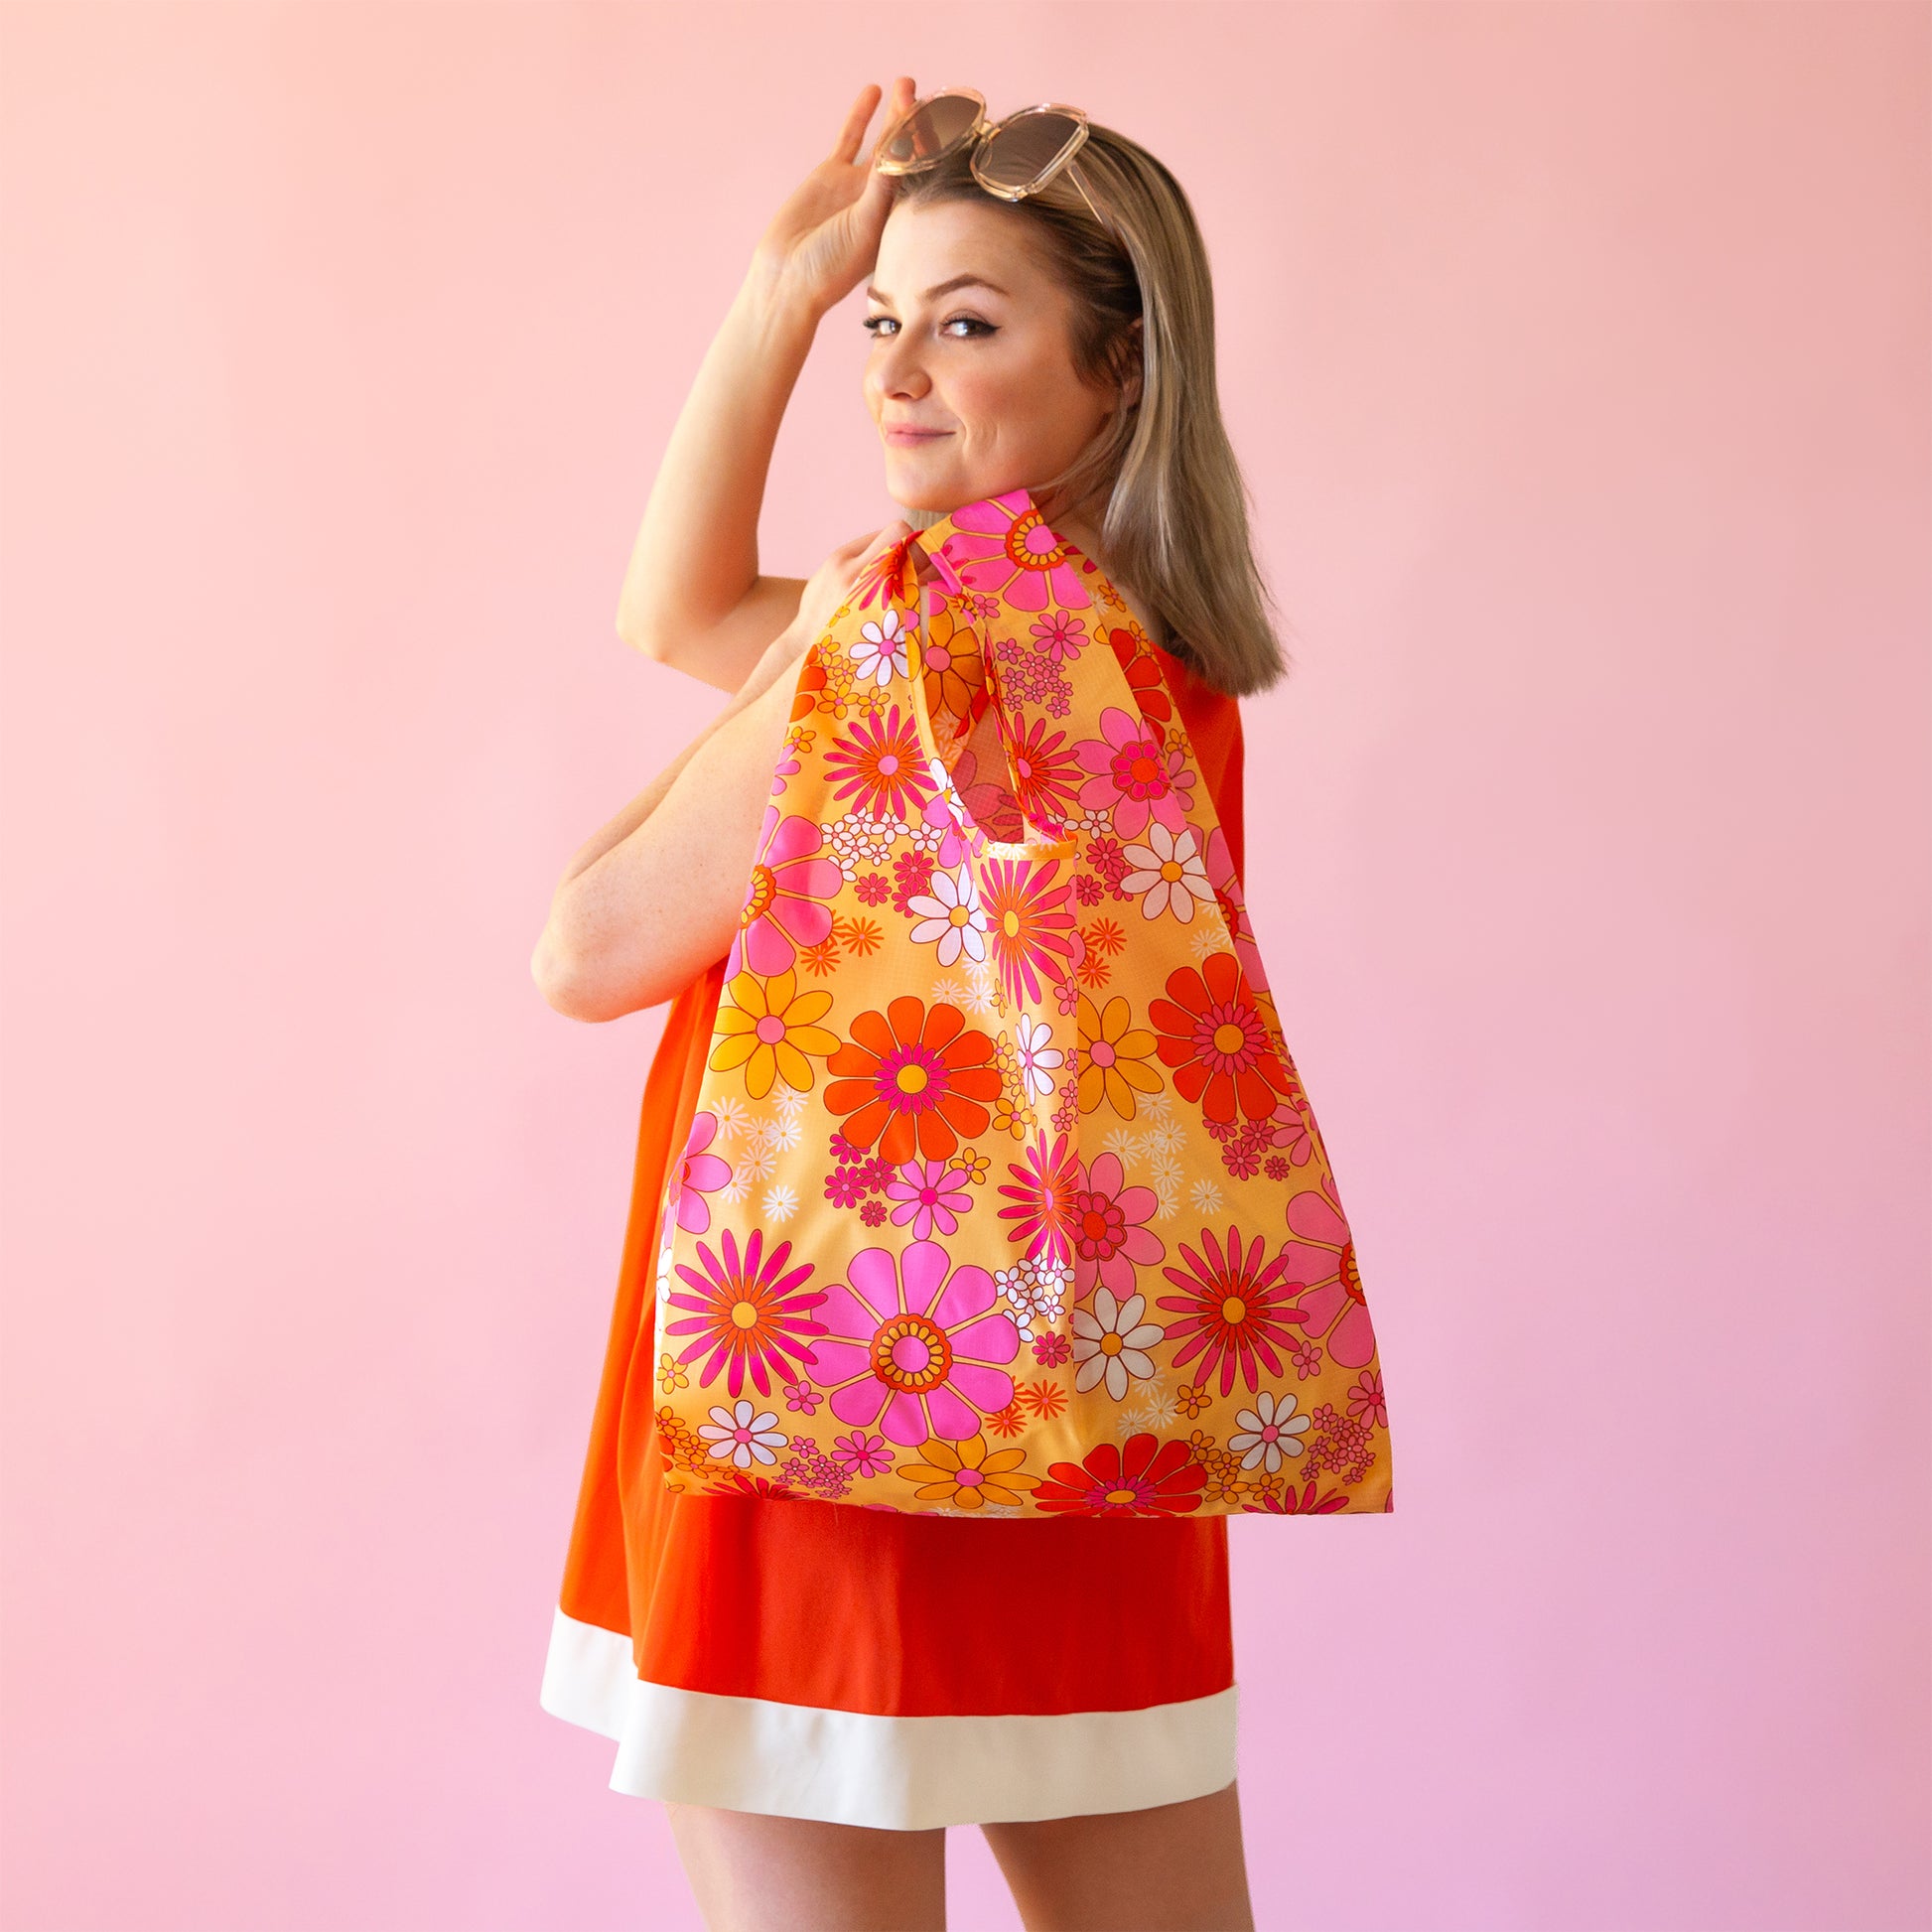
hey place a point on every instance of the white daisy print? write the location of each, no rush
(881, 649)
(950, 916)
(743, 1433)
(982, 989)
(732, 1115)
(1158, 1405)
(1268, 1432)
(1110, 1342)
(781, 1202)
(1040, 1058)
(1164, 1176)
(1171, 875)
(1206, 1197)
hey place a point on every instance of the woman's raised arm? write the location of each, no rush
(693, 595)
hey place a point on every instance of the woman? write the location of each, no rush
(817, 1692)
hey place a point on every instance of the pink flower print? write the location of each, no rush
(1135, 774)
(1365, 1401)
(1107, 1222)
(1227, 888)
(942, 814)
(802, 1397)
(1051, 1350)
(1047, 775)
(696, 1175)
(1043, 1209)
(930, 1195)
(1318, 1268)
(912, 1351)
(1003, 546)
(883, 763)
(1306, 1357)
(863, 1456)
(1288, 1126)
(1029, 921)
(783, 911)
(749, 1310)
(1060, 636)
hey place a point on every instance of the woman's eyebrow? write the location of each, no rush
(943, 288)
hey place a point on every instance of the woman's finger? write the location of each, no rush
(897, 110)
(846, 147)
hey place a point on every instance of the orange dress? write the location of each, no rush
(817, 1660)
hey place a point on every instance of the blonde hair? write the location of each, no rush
(1176, 526)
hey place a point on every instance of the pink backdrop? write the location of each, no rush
(1578, 356)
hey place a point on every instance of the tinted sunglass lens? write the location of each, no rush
(928, 131)
(1023, 149)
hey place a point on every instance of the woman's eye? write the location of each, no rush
(876, 325)
(968, 325)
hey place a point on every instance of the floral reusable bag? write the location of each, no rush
(1002, 1195)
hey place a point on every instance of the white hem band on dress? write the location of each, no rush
(850, 1767)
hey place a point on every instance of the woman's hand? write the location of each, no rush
(828, 587)
(826, 236)
(834, 581)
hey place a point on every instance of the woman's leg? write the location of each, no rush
(1168, 1869)
(754, 1873)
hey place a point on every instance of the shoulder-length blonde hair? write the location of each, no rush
(1176, 525)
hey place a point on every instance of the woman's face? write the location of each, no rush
(970, 378)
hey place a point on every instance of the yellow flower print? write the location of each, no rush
(1192, 1397)
(766, 1029)
(1113, 1057)
(967, 1474)
(977, 1165)
(670, 1374)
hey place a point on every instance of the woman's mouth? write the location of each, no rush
(905, 436)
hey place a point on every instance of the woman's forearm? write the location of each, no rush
(693, 595)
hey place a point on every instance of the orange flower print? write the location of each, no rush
(1142, 1476)
(880, 766)
(918, 1082)
(1027, 921)
(1113, 1057)
(1143, 674)
(951, 663)
(968, 1475)
(766, 1028)
(1212, 1033)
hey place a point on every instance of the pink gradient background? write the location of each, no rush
(1576, 354)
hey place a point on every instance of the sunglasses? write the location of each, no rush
(1011, 159)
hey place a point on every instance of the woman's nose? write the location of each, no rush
(902, 373)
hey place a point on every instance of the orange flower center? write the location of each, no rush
(764, 888)
(911, 1353)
